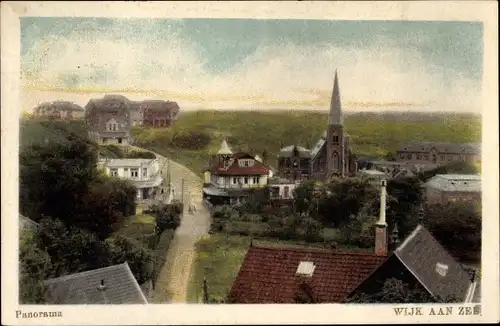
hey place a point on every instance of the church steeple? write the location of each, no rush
(335, 117)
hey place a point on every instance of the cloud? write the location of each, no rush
(381, 75)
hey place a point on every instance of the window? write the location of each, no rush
(113, 172)
(441, 157)
(134, 173)
(409, 156)
(245, 180)
(286, 191)
(450, 157)
(234, 181)
(255, 179)
(419, 157)
(144, 172)
(245, 163)
(335, 138)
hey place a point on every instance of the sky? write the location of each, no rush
(254, 64)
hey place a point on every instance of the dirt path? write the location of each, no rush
(173, 280)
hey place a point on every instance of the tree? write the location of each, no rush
(71, 250)
(394, 291)
(168, 216)
(34, 265)
(457, 226)
(139, 258)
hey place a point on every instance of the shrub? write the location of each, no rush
(191, 140)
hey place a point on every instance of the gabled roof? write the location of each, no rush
(319, 144)
(120, 287)
(443, 148)
(433, 266)
(455, 182)
(268, 274)
(258, 168)
(289, 151)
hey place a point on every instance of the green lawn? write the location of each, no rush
(139, 227)
(371, 134)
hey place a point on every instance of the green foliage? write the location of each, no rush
(191, 140)
(34, 266)
(71, 250)
(394, 291)
(123, 249)
(162, 245)
(457, 226)
(61, 181)
(167, 216)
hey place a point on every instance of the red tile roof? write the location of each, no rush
(268, 274)
(258, 168)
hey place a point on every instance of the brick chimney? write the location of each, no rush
(381, 225)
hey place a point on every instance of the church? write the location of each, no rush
(330, 157)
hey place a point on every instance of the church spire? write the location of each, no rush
(335, 117)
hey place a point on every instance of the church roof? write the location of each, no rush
(335, 116)
(288, 151)
(224, 149)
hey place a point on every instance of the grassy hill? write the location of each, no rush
(197, 134)
(372, 134)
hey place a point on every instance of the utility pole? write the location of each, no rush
(182, 193)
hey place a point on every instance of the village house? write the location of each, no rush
(281, 274)
(281, 189)
(434, 154)
(331, 156)
(58, 110)
(231, 177)
(109, 285)
(154, 113)
(145, 174)
(445, 188)
(109, 119)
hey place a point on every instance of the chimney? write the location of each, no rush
(101, 286)
(381, 225)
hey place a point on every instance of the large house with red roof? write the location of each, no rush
(231, 177)
(277, 274)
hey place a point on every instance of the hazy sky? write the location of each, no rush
(221, 63)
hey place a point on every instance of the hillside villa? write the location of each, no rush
(434, 154)
(445, 188)
(145, 174)
(58, 110)
(231, 177)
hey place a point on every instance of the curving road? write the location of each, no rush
(173, 280)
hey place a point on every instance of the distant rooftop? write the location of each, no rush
(441, 147)
(455, 182)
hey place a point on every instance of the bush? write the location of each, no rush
(140, 154)
(193, 140)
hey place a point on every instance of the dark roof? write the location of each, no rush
(268, 274)
(121, 287)
(433, 266)
(290, 150)
(157, 105)
(447, 148)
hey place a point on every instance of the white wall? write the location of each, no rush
(239, 181)
(125, 172)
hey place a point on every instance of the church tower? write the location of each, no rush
(224, 155)
(337, 160)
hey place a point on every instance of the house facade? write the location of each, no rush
(434, 154)
(331, 156)
(59, 110)
(109, 119)
(156, 113)
(231, 177)
(145, 174)
(446, 188)
(281, 189)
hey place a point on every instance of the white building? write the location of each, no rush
(145, 174)
(281, 188)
